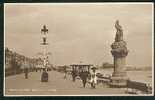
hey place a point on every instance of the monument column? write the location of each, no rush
(119, 52)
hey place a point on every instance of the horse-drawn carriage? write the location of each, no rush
(78, 69)
(82, 71)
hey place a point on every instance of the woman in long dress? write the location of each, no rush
(93, 79)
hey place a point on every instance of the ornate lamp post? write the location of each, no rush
(44, 43)
(44, 76)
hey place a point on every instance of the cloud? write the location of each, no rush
(80, 32)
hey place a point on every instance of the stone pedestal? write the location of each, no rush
(119, 52)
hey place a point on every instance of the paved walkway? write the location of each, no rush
(18, 85)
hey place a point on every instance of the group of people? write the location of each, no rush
(89, 77)
(86, 77)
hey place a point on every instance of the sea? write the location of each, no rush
(138, 76)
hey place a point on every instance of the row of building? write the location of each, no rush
(14, 61)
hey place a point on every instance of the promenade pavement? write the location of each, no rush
(57, 85)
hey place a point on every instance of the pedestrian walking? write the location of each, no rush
(65, 72)
(74, 75)
(26, 73)
(26, 70)
(84, 77)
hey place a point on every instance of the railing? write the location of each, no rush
(137, 86)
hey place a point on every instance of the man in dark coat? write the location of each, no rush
(84, 76)
(26, 73)
(26, 69)
(74, 74)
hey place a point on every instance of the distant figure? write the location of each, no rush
(36, 69)
(26, 73)
(74, 74)
(65, 72)
(26, 70)
(44, 76)
(40, 67)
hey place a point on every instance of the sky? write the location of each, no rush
(80, 32)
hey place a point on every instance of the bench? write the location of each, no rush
(133, 87)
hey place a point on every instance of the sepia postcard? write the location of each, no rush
(78, 49)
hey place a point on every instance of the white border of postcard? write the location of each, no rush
(99, 3)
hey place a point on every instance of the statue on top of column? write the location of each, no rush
(119, 33)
